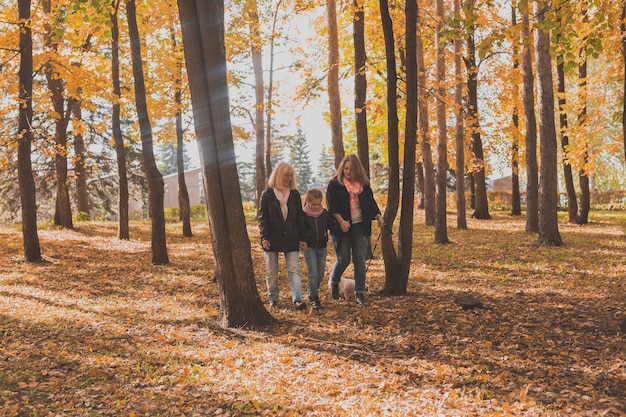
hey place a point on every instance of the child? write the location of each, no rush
(318, 222)
(281, 223)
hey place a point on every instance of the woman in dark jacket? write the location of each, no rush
(351, 201)
(281, 224)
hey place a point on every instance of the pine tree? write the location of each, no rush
(326, 167)
(300, 160)
(247, 179)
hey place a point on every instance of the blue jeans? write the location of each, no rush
(293, 273)
(316, 264)
(354, 241)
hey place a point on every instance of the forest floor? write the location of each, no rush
(96, 330)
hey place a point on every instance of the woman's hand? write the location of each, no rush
(380, 220)
(265, 244)
(345, 225)
(303, 246)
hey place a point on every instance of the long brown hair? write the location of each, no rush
(357, 167)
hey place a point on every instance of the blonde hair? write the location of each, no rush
(357, 168)
(276, 178)
(313, 194)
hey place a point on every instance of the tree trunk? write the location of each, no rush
(622, 30)
(516, 204)
(405, 232)
(582, 216)
(481, 209)
(334, 97)
(270, 90)
(441, 227)
(63, 214)
(153, 176)
(203, 37)
(419, 174)
(459, 135)
(360, 84)
(572, 205)
(532, 170)
(548, 220)
(360, 93)
(32, 250)
(424, 136)
(80, 168)
(118, 139)
(183, 194)
(256, 49)
(390, 257)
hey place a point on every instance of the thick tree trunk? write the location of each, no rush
(334, 97)
(32, 250)
(441, 226)
(118, 139)
(516, 204)
(532, 170)
(63, 212)
(390, 257)
(80, 168)
(572, 205)
(548, 204)
(430, 210)
(459, 134)
(203, 37)
(481, 209)
(154, 179)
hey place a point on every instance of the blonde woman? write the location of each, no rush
(351, 201)
(281, 224)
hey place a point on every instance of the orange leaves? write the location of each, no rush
(97, 330)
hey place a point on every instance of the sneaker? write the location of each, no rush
(360, 300)
(273, 304)
(316, 303)
(334, 291)
(298, 305)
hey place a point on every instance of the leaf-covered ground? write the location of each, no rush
(96, 330)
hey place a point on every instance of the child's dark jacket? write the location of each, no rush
(317, 229)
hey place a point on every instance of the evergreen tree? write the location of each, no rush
(247, 180)
(326, 167)
(299, 158)
(166, 159)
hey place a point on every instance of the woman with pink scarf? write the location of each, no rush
(351, 202)
(282, 228)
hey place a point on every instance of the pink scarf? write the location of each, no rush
(354, 189)
(283, 196)
(313, 213)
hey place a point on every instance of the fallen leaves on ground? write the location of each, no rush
(97, 330)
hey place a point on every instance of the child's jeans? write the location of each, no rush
(316, 264)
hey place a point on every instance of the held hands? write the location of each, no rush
(265, 244)
(345, 225)
(303, 246)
